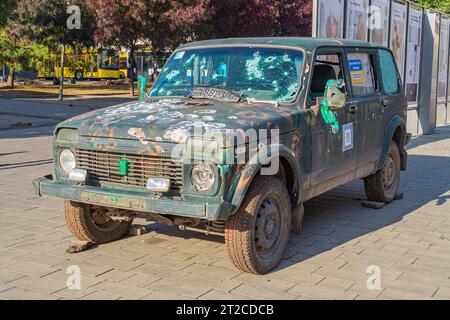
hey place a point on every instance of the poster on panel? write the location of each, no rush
(357, 19)
(330, 19)
(413, 55)
(443, 60)
(398, 34)
(379, 22)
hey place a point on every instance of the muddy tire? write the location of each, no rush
(89, 223)
(383, 185)
(257, 235)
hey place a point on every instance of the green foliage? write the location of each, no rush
(6, 7)
(21, 53)
(13, 52)
(439, 5)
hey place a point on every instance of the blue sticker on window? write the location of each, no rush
(355, 65)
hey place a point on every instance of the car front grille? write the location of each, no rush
(103, 167)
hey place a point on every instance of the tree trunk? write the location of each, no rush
(61, 80)
(131, 74)
(11, 77)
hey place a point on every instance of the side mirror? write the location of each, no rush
(335, 94)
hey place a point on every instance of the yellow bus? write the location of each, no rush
(89, 64)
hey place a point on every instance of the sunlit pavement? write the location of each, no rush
(340, 251)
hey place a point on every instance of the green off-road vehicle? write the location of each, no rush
(231, 139)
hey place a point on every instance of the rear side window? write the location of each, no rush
(388, 72)
(362, 73)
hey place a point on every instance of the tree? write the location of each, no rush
(259, 18)
(121, 23)
(155, 23)
(12, 54)
(294, 18)
(241, 18)
(440, 5)
(46, 22)
(6, 7)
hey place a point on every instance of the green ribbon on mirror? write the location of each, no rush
(328, 116)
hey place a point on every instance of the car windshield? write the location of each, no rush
(265, 74)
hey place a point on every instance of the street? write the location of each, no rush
(341, 243)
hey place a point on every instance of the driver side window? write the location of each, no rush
(326, 67)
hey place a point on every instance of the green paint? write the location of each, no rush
(123, 166)
(115, 200)
(328, 115)
(91, 146)
(142, 86)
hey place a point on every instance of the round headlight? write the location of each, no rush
(202, 176)
(67, 160)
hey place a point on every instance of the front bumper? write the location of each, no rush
(131, 200)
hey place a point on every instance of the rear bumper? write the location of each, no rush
(131, 200)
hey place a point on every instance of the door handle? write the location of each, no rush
(353, 108)
(385, 102)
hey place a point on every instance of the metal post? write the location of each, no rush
(315, 20)
(405, 50)
(389, 24)
(428, 80)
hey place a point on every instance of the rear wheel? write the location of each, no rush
(257, 235)
(383, 185)
(91, 223)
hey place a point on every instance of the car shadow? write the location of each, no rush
(337, 217)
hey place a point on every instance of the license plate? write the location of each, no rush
(113, 201)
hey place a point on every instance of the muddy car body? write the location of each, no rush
(121, 163)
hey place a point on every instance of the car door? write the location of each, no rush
(332, 153)
(393, 99)
(368, 102)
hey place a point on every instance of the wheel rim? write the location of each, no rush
(101, 220)
(389, 174)
(267, 227)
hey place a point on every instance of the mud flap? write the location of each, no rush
(297, 218)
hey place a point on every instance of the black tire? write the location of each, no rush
(121, 75)
(248, 246)
(79, 75)
(383, 185)
(80, 220)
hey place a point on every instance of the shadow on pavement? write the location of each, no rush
(337, 217)
(7, 166)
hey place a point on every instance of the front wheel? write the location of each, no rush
(92, 224)
(257, 235)
(383, 185)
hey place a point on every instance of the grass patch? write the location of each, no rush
(45, 90)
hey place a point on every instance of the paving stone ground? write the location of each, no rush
(408, 242)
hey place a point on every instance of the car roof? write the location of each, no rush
(295, 42)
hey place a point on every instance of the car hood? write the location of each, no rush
(174, 120)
